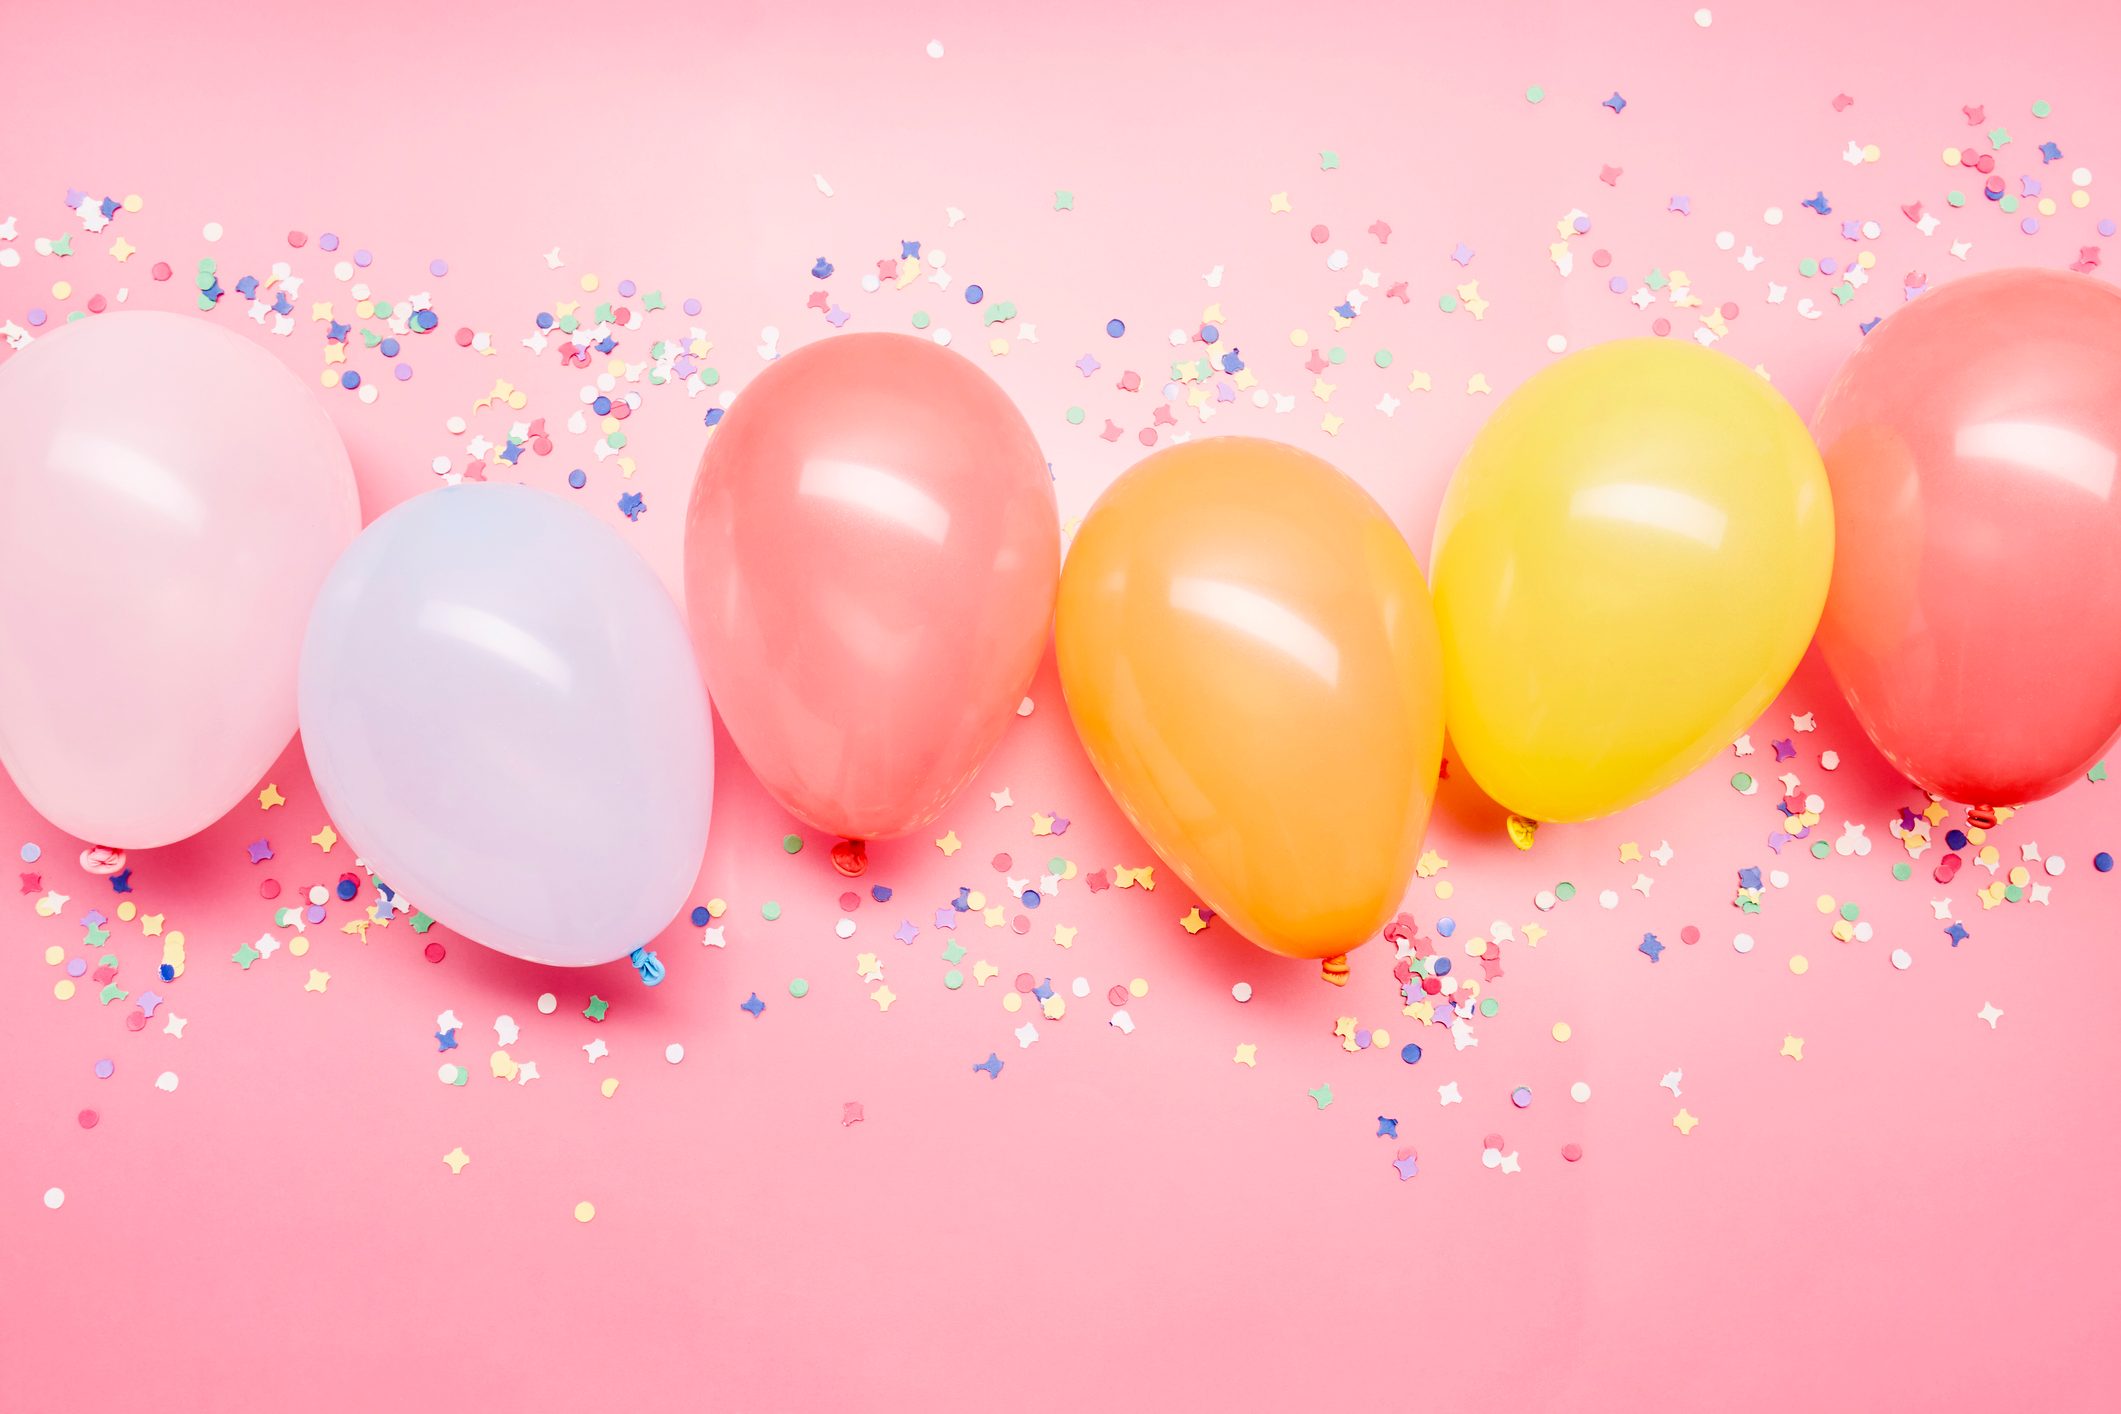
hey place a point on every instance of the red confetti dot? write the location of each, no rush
(269, 889)
(1002, 863)
(297, 239)
(1025, 982)
(1147, 436)
(464, 337)
(161, 270)
(850, 901)
(1493, 1141)
(1601, 258)
(1572, 1152)
(1117, 996)
(89, 1119)
(1021, 924)
(135, 1020)
(435, 952)
(1690, 935)
(97, 304)
(1661, 327)
(1730, 309)
(1319, 235)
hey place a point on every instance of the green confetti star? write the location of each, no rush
(1323, 1094)
(1328, 161)
(1064, 201)
(244, 956)
(653, 300)
(596, 1008)
(421, 923)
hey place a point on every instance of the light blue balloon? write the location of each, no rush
(504, 718)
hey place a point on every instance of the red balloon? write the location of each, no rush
(871, 557)
(1974, 622)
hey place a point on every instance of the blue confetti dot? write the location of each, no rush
(31, 854)
(700, 916)
(577, 478)
(880, 893)
(544, 321)
(1410, 1053)
(1445, 927)
(388, 348)
(974, 294)
(1955, 839)
(1115, 327)
(2103, 862)
(1441, 967)
(1209, 333)
(349, 380)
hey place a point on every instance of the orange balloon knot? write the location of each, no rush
(851, 857)
(1981, 817)
(1334, 969)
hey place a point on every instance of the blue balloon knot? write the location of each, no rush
(648, 965)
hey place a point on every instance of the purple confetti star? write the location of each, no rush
(1683, 205)
(946, 918)
(836, 316)
(148, 1001)
(1406, 1166)
(1462, 253)
(259, 851)
(907, 932)
(1087, 365)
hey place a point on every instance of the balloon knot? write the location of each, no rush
(648, 965)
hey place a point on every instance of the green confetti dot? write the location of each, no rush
(2041, 108)
(920, 318)
(2013, 892)
(1741, 781)
(1535, 94)
(1564, 891)
(1447, 303)
(953, 979)
(1075, 417)
(1382, 358)
(1902, 872)
(1848, 910)
(1489, 1006)
(1056, 866)
(1336, 355)
(1955, 198)
(770, 911)
(615, 439)
(799, 988)
(710, 376)
(1821, 849)
(1808, 268)
(792, 843)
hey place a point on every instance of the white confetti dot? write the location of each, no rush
(1080, 986)
(318, 893)
(845, 927)
(166, 1081)
(1901, 959)
(455, 425)
(1863, 932)
(1242, 991)
(1829, 760)
(1779, 878)
(1025, 707)
(2054, 864)
(447, 1074)
(1545, 900)
(1608, 899)
(53, 1197)
(2082, 176)
(9, 259)
(1579, 1092)
(1557, 343)
(213, 228)
(935, 49)
(1704, 18)
(548, 1003)
(1725, 240)
(673, 1053)
(1743, 942)
(1773, 216)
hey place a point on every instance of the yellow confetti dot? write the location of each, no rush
(589, 282)
(1872, 152)
(1012, 1001)
(1951, 157)
(1477, 948)
(975, 900)
(298, 947)
(716, 907)
(1444, 888)
(1139, 987)
(1798, 965)
(132, 202)
(610, 1086)
(54, 955)
(128, 911)
(2047, 206)
(1299, 337)
(61, 289)
(65, 990)
(2080, 198)
(1562, 1031)
(585, 1210)
(1827, 904)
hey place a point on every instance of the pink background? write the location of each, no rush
(1919, 1214)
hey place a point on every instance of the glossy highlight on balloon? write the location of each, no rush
(871, 555)
(1628, 565)
(1248, 653)
(504, 719)
(169, 491)
(1973, 442)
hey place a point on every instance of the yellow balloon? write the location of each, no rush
(1251, 661)
(1628, 565)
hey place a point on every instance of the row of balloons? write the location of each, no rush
(504, 715)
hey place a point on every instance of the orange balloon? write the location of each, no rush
(1248, 652)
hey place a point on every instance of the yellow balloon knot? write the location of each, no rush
(1522, 831)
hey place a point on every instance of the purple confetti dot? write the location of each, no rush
(104, 1069)
(76, 966)
(36, 318)
(362, 258)
(438, 268)
(626, 289)
(2106, 228)
(403, 371)
(692, 306)
(327, 241)
(1583, 223)
(314, 913)
(1617, 285)
(1827, 267)
(2029, 225)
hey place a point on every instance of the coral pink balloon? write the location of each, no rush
(170, 498)
(1975, 617)
(871, 557)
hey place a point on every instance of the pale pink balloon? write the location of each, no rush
(871, 557)
(1974, 445)
(170, 498)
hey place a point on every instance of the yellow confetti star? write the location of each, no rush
(1332, 424)
(866, 964)
(320, 311)
(1430, 863)
(325, 838)
(949, 844)
(1684, 1122)
(1793, 1047)
(1322, 390)
(150, 925)
(984, 972)
(1041, 824)
(1419, 383)
(1279, 202)
(1248, 1054)
(456, 1159)
(121, 249)
(1630, 853)
(1478, 383)
(270, 796)
(317, 982)
(1064, 935)
(1423, 1012)
(883, 997)
(1193, 922)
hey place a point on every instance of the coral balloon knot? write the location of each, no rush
(851, 857)
(1334, 969)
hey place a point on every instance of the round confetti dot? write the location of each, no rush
(1743, 942)
(54, 1197)
(1704, 19)
(1242, 991)
(1799, 966)
(1139, 987)
(769, 911)
(1410, 1053)
(935, 49)
(547, 1003)
(793, 844)
(1902, 960)
(584, 1211)
(88, 1119)
(212, 229)
(1535, 94)
(953, 979)
(31, 854)
(799, 988)
(1557, 343)
(1562, 1031)
(2041, 108)
(63, 989)
(104, 1069)
(1075, 417)
(2053, 864)
(674, 1052)
(1521, 1097)
(1115, 327)
(1572, 1152)
(1580, 1092)
(2103, 862)
(1773, 216)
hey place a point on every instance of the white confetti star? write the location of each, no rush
(1990, 1012)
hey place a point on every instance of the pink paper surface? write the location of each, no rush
(1919, 1214)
